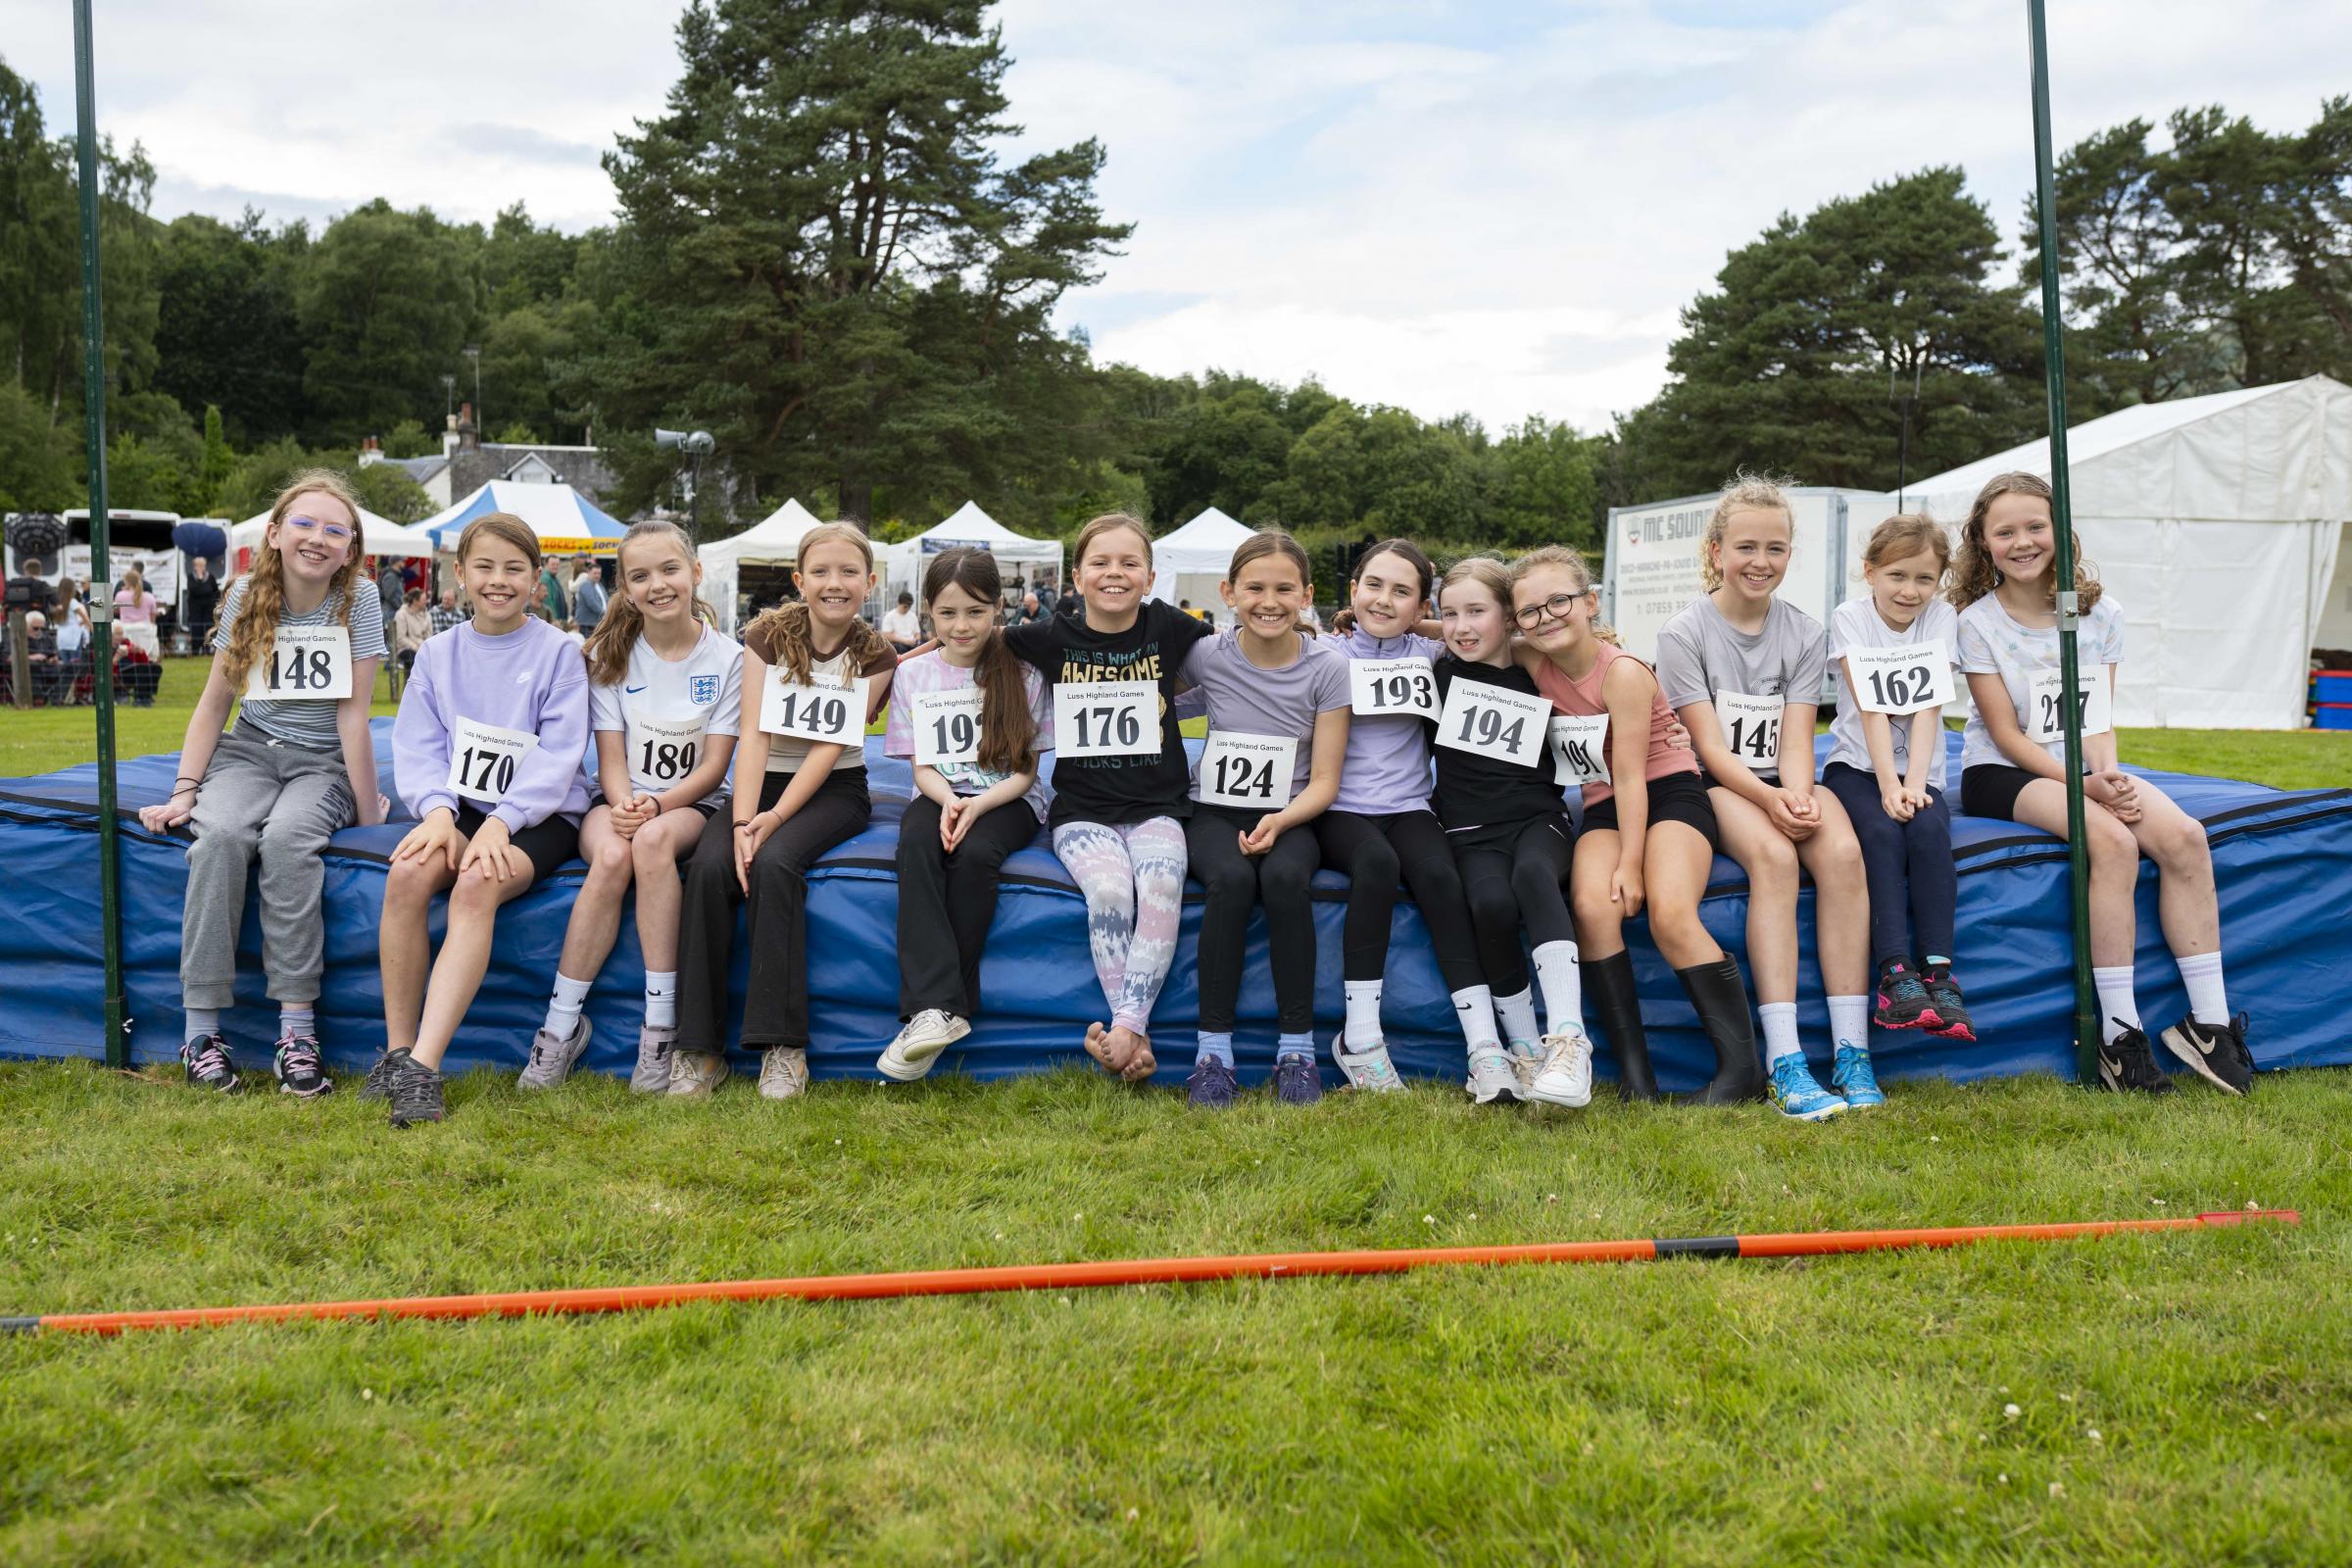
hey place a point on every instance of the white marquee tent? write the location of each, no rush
(902, 563)
(2218, 522)
(774, 538)
(1190, 562)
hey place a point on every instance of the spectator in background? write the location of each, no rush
(552, 607)
(136, 673)
(386, 571)
(197, 604)
(1068, 604)
(40, 657)
(72, 634)
(587, 595)
(27, 589)
(134, 612)
(902, 627)
(410, 627)
(1031, 610)
(445, 613)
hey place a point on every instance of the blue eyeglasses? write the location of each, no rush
(335, 534)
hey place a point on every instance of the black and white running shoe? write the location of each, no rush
(299, 1070)
(2215, 1054)
(208, 1064)
(2129, 1067)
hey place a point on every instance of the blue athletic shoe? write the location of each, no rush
(1297, 1081)
(1852, 1077)
(1792, 1088)
(1210, 1086)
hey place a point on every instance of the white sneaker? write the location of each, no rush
(1368, 1069)
(1566, 1076)
(918, 1045)
(783, 1072)
(552, 1060)
(652, 1073)
(1527, 1060)
(1491, 1077)
(693, 1074)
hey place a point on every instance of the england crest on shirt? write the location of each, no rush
(701, 690)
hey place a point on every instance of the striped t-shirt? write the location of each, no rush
(305, 722)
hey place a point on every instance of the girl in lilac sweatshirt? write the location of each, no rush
(487, 754)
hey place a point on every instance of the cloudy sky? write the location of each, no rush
(1494, 207)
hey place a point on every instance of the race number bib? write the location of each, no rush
(1379, 688)
(1751, 728)
(946, 728)
(1252, 771)
(663, 752)
(1495, 722)
(830, 714)
(2045, 711)
(1901, 680)
(1580, 748)
(1106, 718)
(303, 662)
(482, 758)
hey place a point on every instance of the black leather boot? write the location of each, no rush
(1609, 993)
(1721, 1000)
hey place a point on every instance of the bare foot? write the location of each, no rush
(1141, 1062)
(1099, 1047)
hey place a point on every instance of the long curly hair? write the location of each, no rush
(1974, 575)
(787, 627)
(265, 600)
(1748, 492)
(1008, 729)
(615, 639)
(1579, 572)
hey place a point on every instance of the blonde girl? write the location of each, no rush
(1119, 808)
(299, 765)
(1649, 836)
(793, 798)
(2013, 765)
(486, 750)
(1745, 669)
(1889, 773)
(976, 800)
(665, 696)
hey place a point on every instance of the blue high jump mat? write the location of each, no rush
(2284, 859)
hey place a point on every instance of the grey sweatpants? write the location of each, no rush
(279, 803)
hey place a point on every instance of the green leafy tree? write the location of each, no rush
(410, 439)
(1792, 363)
(1548, 492)
(824, 261)
(40, 461)
(1228, 450)
(143, 476)
(385, 299)
(227, 331)
(218, 456)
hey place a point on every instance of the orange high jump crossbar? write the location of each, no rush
(1133, 1271)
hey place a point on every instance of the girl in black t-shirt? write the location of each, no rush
(1117, 817)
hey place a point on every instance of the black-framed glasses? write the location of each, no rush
(1556, 607)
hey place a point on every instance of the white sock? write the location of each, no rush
(1474, 1010)
(661, 1000)
(2117, 1010)
(1363, 1014)
(1563, 985)
(564, 1011)
(1779, 1020)
(2208, 1003)
(1850, 1022)
(1518, 1014)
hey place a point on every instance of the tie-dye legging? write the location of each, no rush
(1133, 879)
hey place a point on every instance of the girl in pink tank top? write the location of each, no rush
(1649, 838)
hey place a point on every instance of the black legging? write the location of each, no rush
(945, 902)
(1512, 880)
(776, 1004)
(1373, 851)
(1235, 883)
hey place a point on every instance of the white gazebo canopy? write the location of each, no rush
(2217, 524)
(969, 528)
(1190, 562)
(774, 538)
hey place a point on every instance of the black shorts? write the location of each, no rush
(1504, 834)
(1991, 788)
(547, 844)
(1675, 798)
(596, 798)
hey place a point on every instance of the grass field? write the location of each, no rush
(2181, 1399)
